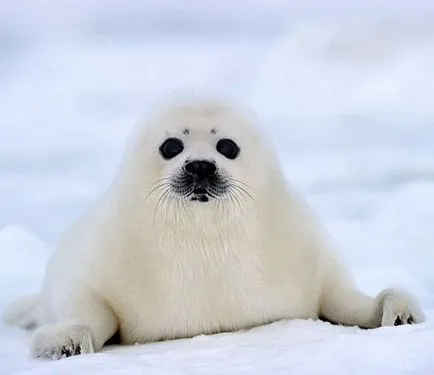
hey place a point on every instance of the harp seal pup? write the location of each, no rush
(199, 233)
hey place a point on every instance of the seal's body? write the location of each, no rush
(199, 233)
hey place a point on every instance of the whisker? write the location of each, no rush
(161, 199)
(244, 192)
(237, 180)
(155, 189)
(177, 189)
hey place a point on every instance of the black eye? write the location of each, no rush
(227, 147)
(171, 147)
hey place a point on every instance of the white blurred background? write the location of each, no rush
(345, 89)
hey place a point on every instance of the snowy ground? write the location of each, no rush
(348, 104)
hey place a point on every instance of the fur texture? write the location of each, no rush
(154, 265)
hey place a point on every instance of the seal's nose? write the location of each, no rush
(200, 168)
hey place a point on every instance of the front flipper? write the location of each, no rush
(84, 324)
(60, 340)
(354, 308)
(398, 307)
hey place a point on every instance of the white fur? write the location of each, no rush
(154, 269)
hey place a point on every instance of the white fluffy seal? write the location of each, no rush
(199, 233)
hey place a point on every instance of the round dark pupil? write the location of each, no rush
(228, 148)
(171, 147)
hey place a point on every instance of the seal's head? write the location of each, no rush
(202, 153)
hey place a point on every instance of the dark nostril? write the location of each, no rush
(200, 168)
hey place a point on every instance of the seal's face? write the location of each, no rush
(199, 179)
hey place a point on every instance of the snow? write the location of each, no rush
(301, 347)
(347, 101)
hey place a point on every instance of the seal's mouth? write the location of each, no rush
(200, 190)
(200, 195)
